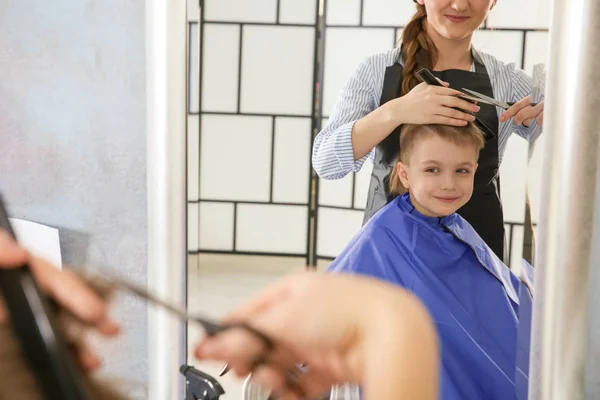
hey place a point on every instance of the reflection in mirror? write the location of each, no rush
(264, 80)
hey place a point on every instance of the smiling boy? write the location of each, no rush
(419, 242)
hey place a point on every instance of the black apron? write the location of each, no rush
(484, 209)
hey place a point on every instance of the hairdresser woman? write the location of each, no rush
(309, 317)
(385, 93)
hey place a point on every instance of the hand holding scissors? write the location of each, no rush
(523, 111)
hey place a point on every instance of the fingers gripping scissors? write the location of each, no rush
(211, 328)
(467, 94)
(488, 100)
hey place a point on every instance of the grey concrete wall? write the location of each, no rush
(72, 139)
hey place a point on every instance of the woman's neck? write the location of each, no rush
(451, 54)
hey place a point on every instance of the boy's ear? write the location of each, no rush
(402, 171)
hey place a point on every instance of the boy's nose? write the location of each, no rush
(448, 182)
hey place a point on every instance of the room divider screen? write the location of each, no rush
(264, 77)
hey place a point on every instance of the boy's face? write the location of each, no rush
(439, 175)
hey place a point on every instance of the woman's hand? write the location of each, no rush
(345, 328)
(68, 290)
(523, 113)
(428, 104)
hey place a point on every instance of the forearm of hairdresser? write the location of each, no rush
(424, 104)
(386, 373)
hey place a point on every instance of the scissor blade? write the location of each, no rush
(488, 100)
(210, 327)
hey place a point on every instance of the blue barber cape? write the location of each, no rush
(471, 295)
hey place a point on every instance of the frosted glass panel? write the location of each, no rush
(193, 226)
(241, 10)
(536, 49)
(298, 11)
(533, 14)
(361, 188)
(291, 172)
(193, 156)
(220, 67)
(336, 192)
(345, 49)
(193, 12)
(216, 226)
(387, 12)
(513, 179)
(272, 228)
(516, 257)
(194, 70)
(235, 157)
(343, 12)
(277, 70)
(505, 46)
(399, 36)
(534, 178)
(335, 229)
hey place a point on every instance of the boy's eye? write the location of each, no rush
(432, 170)
(463, 171)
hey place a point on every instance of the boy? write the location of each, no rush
(419, 242)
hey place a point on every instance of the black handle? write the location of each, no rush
(37, 331)
(200, 386)
(512, 103)
(427, 77)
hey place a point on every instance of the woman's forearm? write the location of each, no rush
(370, 130)
(402, 356)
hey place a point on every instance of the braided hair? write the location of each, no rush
(418, 50)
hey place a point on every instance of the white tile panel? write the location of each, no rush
(335, 228)
(336, 192)
(291, 171)
(361, 185)
(524, 14)
(235, 157)
(216, 226)
(387, 12)
(193, 10)
(536, 49)
(343, 12)
(278, 70)
(516, 257)
(193, 157)
(535, 178)
(345, 49)
(194, 68)
(513, 179)
(241, 10)
(193, 226)
(298, 12)
(507, 46)
(272, 228)
(220, 67)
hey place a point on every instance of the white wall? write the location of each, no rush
(73, 106)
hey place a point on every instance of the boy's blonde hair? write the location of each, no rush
(468, 135)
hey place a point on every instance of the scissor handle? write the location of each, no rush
(427, 77)
(37, 331)
(512, 103)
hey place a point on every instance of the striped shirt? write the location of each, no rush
(333, 156)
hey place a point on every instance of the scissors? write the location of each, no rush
(427, 77)
(210, 327)
(488, 100)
